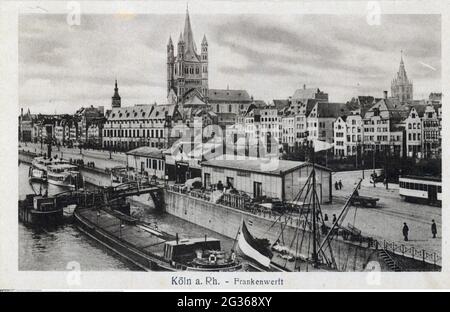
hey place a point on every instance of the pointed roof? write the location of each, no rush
(204, 41)
(116, 91)
(170, 41)
(401, 74)
(190, 49)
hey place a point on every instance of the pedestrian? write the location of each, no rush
(340, 184)
(336, 185)
(433, 228)
(220, 186)
(405, 231)
(334, 218)
(325, 217)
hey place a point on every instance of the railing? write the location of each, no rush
(410, 252)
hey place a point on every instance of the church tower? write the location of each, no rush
(188, 70)
(116, 102)
(204, 58)
(170, 65)
(401, 86)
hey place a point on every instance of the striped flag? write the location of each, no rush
(253, 248)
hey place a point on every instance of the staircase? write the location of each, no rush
(390, 262)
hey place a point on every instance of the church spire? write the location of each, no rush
(402, 71)
(116, 102)
(188, 35)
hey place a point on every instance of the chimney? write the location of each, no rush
(21, 111)
(304, 86)
(385, 95)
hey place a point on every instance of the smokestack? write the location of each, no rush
(385, 94)
(21, 111)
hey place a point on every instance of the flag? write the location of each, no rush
(253, 248)
(321, 145)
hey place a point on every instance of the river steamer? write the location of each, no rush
(63, 174)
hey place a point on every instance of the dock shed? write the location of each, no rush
(281, 179)
(148, 161)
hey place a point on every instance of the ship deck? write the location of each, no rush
(131, 234)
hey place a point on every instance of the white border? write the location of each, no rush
(11, 278)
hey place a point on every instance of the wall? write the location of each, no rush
(271, 185)
(227, 221)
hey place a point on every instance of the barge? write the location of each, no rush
(149, 249)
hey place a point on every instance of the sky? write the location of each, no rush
(63, 67)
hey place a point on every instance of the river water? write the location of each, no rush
(64, 247)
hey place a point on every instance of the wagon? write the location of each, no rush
(364, 201)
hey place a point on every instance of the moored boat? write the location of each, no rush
(63, 175)
(39, 167)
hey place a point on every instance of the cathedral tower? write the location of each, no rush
(187, 71)
(401, 86)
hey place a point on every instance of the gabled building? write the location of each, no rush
(304, 94)
(431, 131)
(348, 135)
(384, 126)
(413, 127)
(320, 121)
(229, 101)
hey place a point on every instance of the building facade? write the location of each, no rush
(127, 128)
(348, 135)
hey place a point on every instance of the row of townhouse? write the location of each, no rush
(84, 127)
(412, 130)
(363, 125)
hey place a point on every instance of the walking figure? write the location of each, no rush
(325, 217)
(405, 231)
(336, 185)
(433, 228)
(220, 186)
(334, 218)
(340, 184)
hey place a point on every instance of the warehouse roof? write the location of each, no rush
(259, 165)
(146, 151)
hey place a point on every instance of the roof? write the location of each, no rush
(141, 111)
(190, 50)
(420, 109)
(160, 111)
(307, 93)
(225, 95)
(280, 104)
(131, 112)
(331, 110)
(259, 165)
(146, 151)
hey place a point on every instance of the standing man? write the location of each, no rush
(340, 184)
(433, 228)
(405, 231)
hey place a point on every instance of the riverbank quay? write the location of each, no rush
(212, 216)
